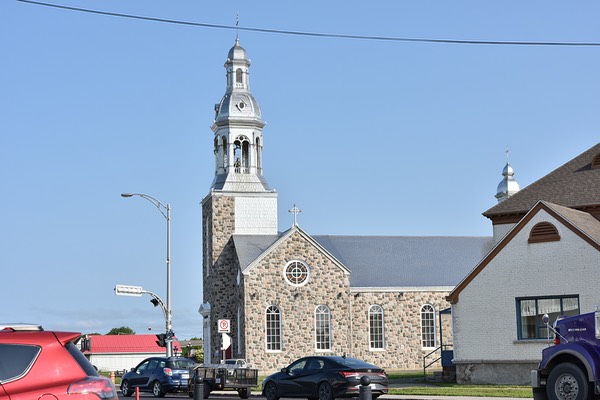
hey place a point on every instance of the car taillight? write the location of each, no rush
(168, 371)
(101, 387)
(556, 340)
(348, 374)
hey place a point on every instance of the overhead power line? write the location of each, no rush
(314, 34)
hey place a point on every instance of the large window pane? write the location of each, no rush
(273, 328)
(427, 327)
(322, 328)
(531, 311)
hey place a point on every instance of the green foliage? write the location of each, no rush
(124, 330)
(199, 356)
(194, 352)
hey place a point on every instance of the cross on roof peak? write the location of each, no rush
(295, 210)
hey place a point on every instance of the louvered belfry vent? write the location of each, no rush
(543, 232)
(596, 162)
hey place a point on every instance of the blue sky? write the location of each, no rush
(366, 137)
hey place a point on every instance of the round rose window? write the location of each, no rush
(296, 273)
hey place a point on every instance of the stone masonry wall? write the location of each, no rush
(328, 285)
(220, 268)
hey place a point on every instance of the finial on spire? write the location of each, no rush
(507, 154)
(295, 210)
(237, 23)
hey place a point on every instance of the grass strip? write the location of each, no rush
(452, 389)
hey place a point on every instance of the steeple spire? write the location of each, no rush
(507, 186)
(238, 125)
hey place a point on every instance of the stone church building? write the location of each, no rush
(288, 294)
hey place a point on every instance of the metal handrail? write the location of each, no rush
(441, 348)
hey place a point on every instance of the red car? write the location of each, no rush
(45, 365)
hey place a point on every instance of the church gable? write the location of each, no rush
(252, 246)
(310, 259)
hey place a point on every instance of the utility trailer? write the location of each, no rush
(211, 377)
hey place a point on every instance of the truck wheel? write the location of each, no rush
(567, 382)
(244, 393)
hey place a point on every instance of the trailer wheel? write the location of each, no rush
(244, 393)
(567, 382)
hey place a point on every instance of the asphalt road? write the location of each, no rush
(234, 396)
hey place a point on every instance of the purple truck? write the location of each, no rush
(570, 369)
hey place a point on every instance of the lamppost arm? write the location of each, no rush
(152, 200)
(158, 302)
(167, 214)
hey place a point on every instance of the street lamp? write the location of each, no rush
(128, 290)
(167, 214)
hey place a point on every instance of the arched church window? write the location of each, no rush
(296, 273)
(543, 232)
(322, 328)
(238, 75)
(225, 151)
(241, 155)
(428, 326)
(273, 328)
(216, 151)
(376, 333)
(258, 156)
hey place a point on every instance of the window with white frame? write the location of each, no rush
(273, 328)
(322, 328)
(376, 334)
(428, 327)
(296, 273)
(530, 311)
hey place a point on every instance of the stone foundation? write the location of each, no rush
(491, 372)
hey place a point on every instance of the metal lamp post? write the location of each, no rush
(167, 214)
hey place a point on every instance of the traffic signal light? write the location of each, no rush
(161, 339)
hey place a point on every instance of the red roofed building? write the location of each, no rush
(122, 352)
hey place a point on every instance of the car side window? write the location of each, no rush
(152, 365)
(16, 359)
(143, 366)
(315, 363)
(161, 364)
(297, 367)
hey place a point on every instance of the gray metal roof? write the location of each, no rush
(406, 261)
(389, 261)
(249, 247)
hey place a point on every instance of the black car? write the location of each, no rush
(159, 375)
(324, 378)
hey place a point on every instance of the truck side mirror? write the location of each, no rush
(545, 319)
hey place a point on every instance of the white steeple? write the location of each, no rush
(507, 186)
(238, 125)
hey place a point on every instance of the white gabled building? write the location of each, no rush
(546, 260)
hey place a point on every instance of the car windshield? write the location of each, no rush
(184, 363)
